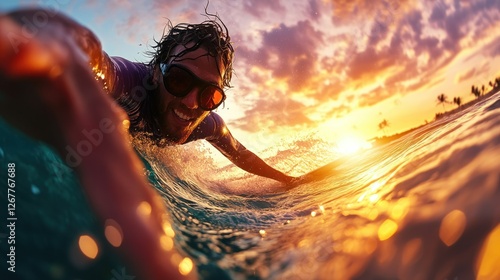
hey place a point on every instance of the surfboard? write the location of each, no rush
(319, 174)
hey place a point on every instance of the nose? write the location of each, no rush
(191, 99)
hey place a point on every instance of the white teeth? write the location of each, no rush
(182, 116)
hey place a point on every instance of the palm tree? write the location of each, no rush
(442, 99)
(475, 91)
(482, 89)
(458, 101)
(382, 125)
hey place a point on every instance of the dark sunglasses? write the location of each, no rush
(179, 81)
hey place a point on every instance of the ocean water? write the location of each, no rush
(424, 206)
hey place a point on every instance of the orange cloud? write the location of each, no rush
(277, 110)
(348, 11)
(472, 73)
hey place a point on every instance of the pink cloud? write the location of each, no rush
(474, 72)
(258, 8)
(289, 52)
(314, 9)
(277, 110)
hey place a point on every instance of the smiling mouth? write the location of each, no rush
(183, 116)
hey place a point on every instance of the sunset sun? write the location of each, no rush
(350, 144)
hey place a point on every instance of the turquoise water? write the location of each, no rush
(421, 207)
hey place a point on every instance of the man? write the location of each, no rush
(176, 93)
(48, 89)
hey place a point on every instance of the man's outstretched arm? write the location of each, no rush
(250, 162)
(239, 155)
(48, 91)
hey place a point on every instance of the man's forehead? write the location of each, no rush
(200, 62)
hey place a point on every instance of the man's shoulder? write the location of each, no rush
(124, 65)
(131, 77)
(216, 121)
(210, 128)
(215, 118)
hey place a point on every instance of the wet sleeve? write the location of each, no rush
(222, 139)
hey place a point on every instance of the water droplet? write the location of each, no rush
(35, 190)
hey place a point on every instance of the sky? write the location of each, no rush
(328, 68)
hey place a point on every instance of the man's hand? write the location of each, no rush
(48, 91)
(30, 83)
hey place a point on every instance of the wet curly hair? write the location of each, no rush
(211, 34)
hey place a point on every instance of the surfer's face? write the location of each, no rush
(179, 116)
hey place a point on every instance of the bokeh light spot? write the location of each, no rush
(387, 229)
(166, 243)
(126, 124)
(113, 232)
(400, 209)
(452, 227)
(489, 257)
(88, 246)
(167, 228)
(144, 209)
(186, 266)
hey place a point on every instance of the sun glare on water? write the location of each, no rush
(351, 144)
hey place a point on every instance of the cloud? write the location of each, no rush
(367, 65)
(492, 49)
(392, 47)
(272, 113)
(288, 52)
(438, 13)
(374, 96)
(337, 111)
(412, 53)
(314, 9)
(258, 8)
(459, 20)
(472, 73)
(348, 11)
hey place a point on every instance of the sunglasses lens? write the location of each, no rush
(211, 98)
(178, 82)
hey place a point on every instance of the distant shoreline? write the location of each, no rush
(377, 141)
